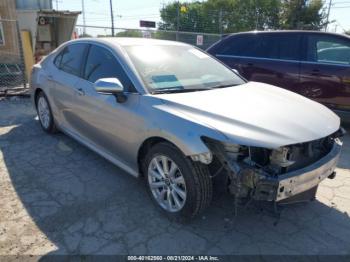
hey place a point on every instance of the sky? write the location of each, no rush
(128, 13)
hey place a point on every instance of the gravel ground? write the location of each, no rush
(58, 197)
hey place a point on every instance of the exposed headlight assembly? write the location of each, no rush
(224, 149)
(205, 158)
(279, 157)
(231, 148)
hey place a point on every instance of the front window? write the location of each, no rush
(328, 49)
(179, 68)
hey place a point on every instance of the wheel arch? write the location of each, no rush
(146, 146)
(37, 91)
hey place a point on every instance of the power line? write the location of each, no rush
(337, 7)
(343, 2)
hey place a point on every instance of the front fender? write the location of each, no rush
(178, 128)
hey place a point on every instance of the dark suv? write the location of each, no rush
(314, 64)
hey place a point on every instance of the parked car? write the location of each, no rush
(10, 75)
(313, 64)
(170, 113)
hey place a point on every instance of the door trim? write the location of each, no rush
(258, 58)
(100, 151)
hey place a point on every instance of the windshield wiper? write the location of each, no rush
(222, 86)
(175, 90)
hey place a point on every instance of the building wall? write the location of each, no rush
(34, 4)
(9, 52)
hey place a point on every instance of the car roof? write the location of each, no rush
(129, 41)
(289, 31)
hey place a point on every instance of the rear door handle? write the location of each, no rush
(315, 72)
(50, 77)
(80, 91)
(250, 64)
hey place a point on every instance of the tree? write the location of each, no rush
(220, 16)
(302, 14)
(227, 16)
(190, 19)
(129, 33)
(84, 35)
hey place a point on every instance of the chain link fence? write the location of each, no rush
(201, 40)
(12, 69)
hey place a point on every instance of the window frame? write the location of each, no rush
(134, 91)
(56, 57)
(2, 33)
(61, 53)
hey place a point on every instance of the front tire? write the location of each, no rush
(45, 114)
(179, 187)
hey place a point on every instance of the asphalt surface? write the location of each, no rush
(58, 197)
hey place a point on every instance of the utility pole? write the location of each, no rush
(56, 4)
(177, 20)
(84, 18)
(220, 22)
(329, 11)
(256, 15)
(112, 17)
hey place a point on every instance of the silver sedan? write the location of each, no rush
(171, 113)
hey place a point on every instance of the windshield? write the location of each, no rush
(179, 68)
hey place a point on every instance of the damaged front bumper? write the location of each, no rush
(295, 183)
(247, 179)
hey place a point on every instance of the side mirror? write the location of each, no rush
(111, 86)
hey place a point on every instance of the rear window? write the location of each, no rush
(273, 46)
(58, 60)
(72, 58)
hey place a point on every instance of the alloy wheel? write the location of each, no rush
(167, 183)
(44, 112)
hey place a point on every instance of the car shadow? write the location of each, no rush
(344, 161)
(83, 204)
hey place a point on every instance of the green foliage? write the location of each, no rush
(302, 14)
(84, 35)
(129, 33)
(226, 16)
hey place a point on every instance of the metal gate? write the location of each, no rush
(201, 40)
(12, 66)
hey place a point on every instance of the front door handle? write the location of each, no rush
(80, 91)
(51, 79)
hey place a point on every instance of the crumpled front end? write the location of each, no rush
(286, 174)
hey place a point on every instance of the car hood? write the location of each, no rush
(256, 114)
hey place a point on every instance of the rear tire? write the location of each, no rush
(44, 112)
(179, 187)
